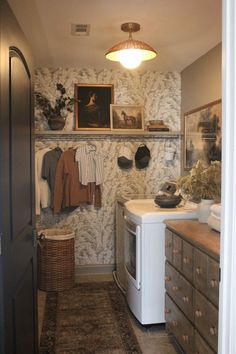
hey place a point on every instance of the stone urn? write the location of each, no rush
(56, 123)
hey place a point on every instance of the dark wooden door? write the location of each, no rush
(18, 300)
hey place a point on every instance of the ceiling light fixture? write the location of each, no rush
(131, 53)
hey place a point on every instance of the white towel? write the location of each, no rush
(215, 216)
(213, 223)
(216, 209)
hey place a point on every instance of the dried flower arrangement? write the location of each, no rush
(201, 183)
(55, 115)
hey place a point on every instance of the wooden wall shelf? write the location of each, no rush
(106, 134)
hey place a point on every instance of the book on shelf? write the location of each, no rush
(155, 129)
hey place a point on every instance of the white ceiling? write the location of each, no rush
(180, 30)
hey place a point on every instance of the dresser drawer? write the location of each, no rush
(187, 260)
(213, 281)
(201, 347)
(185, 299)
(168, 245)
(171, 280)
(185, 333)
(200, 271)
(170, 315)
(206, 319)
(179, 326)
(177, 252)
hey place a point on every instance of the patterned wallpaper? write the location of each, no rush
(159, 93)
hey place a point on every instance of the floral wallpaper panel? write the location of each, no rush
(159, 93)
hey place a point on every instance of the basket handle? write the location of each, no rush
(41, 237)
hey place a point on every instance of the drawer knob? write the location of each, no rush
(174, 288)
(174, 323)
(185, 337)
(213, 283)
(186, 260)
(167, 310)
(198, 313)
(175, 251)
(185, 299)
(213, 331)
(199, 270)
(167, 278)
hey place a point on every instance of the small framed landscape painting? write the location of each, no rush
(92, 106)
(126, 117)
(202, 135)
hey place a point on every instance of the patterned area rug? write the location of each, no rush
(91, 318)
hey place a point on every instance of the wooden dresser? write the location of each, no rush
(192, 285)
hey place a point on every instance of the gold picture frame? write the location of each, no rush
(126, 117)
(92, 106)
(202, 135)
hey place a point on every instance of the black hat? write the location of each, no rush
(142, 157)
(124, 159)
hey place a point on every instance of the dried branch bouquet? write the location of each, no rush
(201, 183)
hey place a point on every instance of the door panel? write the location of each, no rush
(18, 300)
(23, 321)
(20, 141)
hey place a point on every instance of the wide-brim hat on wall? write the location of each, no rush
(142, 157)
(124, 159)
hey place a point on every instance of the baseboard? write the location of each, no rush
(94, 269)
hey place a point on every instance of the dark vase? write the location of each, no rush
(56, 123)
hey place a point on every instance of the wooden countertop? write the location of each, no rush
(198, 234)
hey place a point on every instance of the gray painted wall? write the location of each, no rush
(201, 82)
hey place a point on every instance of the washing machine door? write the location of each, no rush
(133, 252)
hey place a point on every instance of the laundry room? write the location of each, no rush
(114, 151)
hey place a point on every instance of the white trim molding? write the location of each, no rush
(227, 306)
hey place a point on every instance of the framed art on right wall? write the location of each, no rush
(202, 135)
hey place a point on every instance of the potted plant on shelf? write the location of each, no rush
(202, 185)
(55, 114)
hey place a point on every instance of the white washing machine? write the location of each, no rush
(145, 256)
(120, 272)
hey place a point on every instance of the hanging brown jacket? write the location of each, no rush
(68, 191)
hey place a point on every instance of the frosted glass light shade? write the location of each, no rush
(130, 58)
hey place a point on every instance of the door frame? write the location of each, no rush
(11, 291)
(227, 307)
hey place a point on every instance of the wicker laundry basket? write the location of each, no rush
(56, 260)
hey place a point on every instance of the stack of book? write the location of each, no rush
(157, 126)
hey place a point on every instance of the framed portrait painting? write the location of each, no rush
(92, 106)
(202, 135)
(126, 117)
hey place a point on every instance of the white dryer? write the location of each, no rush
(145, 256)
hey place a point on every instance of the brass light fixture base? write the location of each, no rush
(130, 27)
